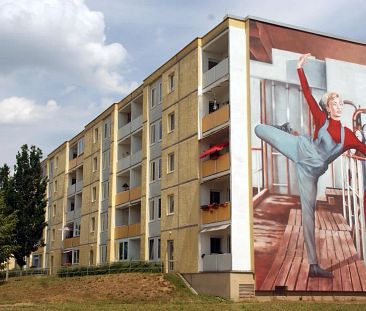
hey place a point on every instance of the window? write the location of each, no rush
(151, 249)
(80, 146)
(171, 122)
(214, 197)
(170, 247)
(158, 257)
(54, 210)
(95, 135)
(104, 222)
(153, 97)
(171, 162)
(152, 171)
(72, 206)
(94, 194)
(215, 245)
(95, 164)
(91, 257)
(105, 159)
(152, 134)
(160, 93)
(105, 191)
(56, 186)
(103, 253)
(152, 210)
(51, 168)
(123, 250)
(159, 168)
(92, 224)
(106, 130)
(212, 63)
(56, 162)
(77, 228)
(53, 234)
(159, 208)
(170, 204)
(160, 130)
(171, 82)
(75, 256)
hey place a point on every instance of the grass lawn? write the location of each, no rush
(133, 291)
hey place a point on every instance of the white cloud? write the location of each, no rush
(20, 110)
(64, 38)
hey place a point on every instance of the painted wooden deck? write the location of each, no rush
(336, 252)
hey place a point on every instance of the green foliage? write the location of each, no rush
(116, 267)
(7, 229)
(24, 195)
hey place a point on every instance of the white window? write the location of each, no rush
(160, 93)
(103, 253)
(77, 228)
(159, 208)
(171, 122)
(55, 187)
(152, 134)
(75, 256)
(92, 224)
(160, 130)
(94, 194)
(95, 135)
(152, 171)
(80, 146)
(105, 159)
(171, 82)
(152, 210)
(106, 130)
(171, 162)
(170, 204)
(153, 97)
(104, 222)
(159, 168)
(105, 190)
(95, 164)
(123, 250)
(151, 249)
(54, 210)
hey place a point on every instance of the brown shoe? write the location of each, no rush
(316, 271)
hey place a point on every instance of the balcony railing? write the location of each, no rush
(128, 195)
(75, 162)
(215, 119)
(124, 163)
(216, 213)
(79, 186)
(211, 167)
(124, 130)
(216, 73)
(71, 189)
(217, 262)
(127, 231)
(71, 242)
(136, 157)
(136, 123)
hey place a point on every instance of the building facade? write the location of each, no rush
(166, 173)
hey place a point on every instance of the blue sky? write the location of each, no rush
(62, 62)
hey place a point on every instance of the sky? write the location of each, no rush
(62, 62)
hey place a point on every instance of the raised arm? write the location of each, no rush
(352, 142)
(318, 115)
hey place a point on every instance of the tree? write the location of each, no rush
(7, 230)
(25, 195)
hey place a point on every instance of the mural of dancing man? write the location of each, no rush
(312, 155)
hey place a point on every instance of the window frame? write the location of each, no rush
(170, 162)
(170, 204)
(171, 122)
(152, 134)
(171, 82)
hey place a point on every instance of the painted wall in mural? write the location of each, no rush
(308, 112)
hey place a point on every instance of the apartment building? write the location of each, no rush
(166, 173)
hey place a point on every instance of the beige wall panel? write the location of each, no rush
(188, 202)
(188, 160)
(88, 141)
(188, 74)
(61, 162)
(84, 229)
(87, 170)
(143, 252)
(169, 98)
(56, 260)
(187, 117)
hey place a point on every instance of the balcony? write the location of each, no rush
(219, 165)
(128, 195)
(136, 123)
(216, 73)
(136, 157)
(215, 119)
(79, 186)
(217, 262)
(71, 189)
(124, 131)
(123, 163)
(216, 213)
(71, 242)
(76, 162)
(121, 232)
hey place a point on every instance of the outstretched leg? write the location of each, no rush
(280, 140)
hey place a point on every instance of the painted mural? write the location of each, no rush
(308, 112)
